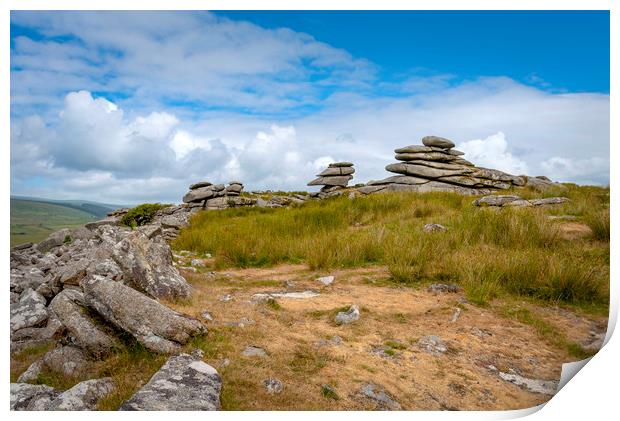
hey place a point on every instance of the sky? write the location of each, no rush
(128, 107)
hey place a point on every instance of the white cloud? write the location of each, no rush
(587, 171)
(188, 96)
(492, 152)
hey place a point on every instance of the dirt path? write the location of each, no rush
(325, 366)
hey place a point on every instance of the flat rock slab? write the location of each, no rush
(544, 387)
(184, 383)
(301, 295)
(254, 351)
(440, 142)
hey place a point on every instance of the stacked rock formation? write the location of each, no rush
(436, 166)
(335, 177)
(207, 195)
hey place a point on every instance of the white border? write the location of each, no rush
(591, 394)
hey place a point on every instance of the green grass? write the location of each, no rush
(33, 221)
(488, 252)
(545, 330)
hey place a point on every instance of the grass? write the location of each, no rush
(545, 330)
(489, 252)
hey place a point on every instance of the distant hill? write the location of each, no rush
(33, 219)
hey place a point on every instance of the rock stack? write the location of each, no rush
(211, 196)
(335, 177)
(436, 166)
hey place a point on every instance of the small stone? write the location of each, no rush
(349, 316)
(326, 280)
(207, 316)
(198, 263)
(439, 288)
(433, 345)
(481, 333)
(455, 315)
(254, 351)
(434, 228)
(273, 386)
(226, 298)
(378, 394)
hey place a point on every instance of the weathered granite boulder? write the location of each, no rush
(184, 383)
(68, 360)
(55, 239)
(30, 311)
(31, 397)
(437, 141)
(83, 396)
(147, 265)
(70, 308)
(154, 325)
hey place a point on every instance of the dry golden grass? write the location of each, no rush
(393, 319)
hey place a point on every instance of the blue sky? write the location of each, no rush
(559, 50)
(133, 106)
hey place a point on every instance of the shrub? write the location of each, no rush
(141, 215)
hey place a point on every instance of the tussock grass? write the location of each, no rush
(489, 252)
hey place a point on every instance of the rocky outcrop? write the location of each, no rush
(184, 383)
(154, 325)
(210, 196)
(435, 166)
(68, 360)
(148, 264)
(31, 397)
(333, 179)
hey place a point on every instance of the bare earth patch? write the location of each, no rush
(325, 366)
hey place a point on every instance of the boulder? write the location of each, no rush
(30, 311)
(437, 141)
(199, 194)
(424, 171)
(147, 264)
(67, 360)
(55, 239)
(200, 184)
(336, 171)
(154, 325)
(341, 180)
(83, 396)
(73, 272)
(184, 383)
(69, 307)
(31, 397)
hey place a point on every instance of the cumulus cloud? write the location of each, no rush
(135, 106)
(492, 152)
